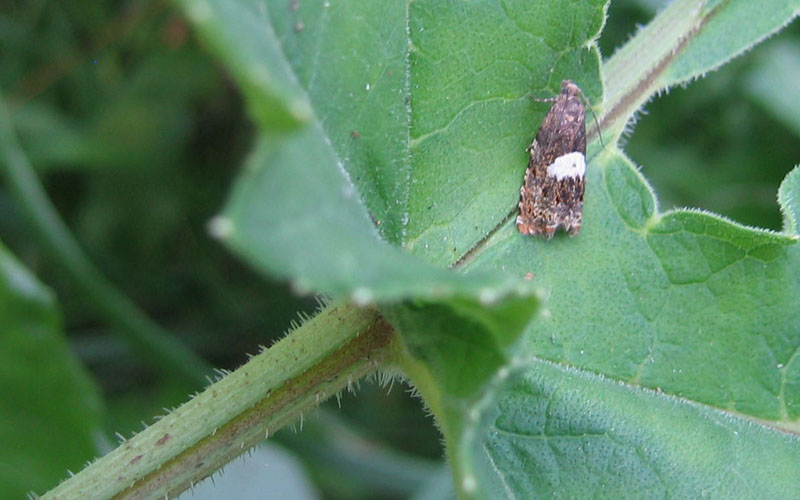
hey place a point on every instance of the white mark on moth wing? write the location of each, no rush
(568, 165)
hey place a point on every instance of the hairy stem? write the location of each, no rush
(635, 72)
(323, 356)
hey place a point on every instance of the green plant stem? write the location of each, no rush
(323, 356)
(155, 345)
(635, 72)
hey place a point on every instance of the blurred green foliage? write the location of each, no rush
(137, 134)
(725, 142)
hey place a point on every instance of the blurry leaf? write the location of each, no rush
(348, 459)
(49, 409)
(773, 82)
(268, 468)
(139, 123)
(439, 487)
(50, 137)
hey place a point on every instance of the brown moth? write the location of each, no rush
(552, 194)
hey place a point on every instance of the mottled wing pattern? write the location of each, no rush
(548, 201)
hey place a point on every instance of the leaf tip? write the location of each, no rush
(788, 195)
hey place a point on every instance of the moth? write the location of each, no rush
(551, 196)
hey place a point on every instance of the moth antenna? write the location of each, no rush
(594, 115)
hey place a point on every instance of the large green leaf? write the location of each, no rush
(418, 114)
(558, 432)
(392, 133)
(691, 323)
(684, 301)
(49, 409)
